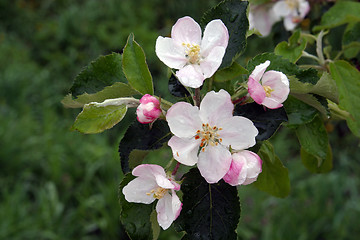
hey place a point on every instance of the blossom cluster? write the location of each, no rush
(205, 134)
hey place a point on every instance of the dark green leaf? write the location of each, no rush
(315, 164)
(135, 217)
(298, 112)
(176, 88)
(267, 121)
(342, 12)
(229, 73)
(233, 15)
(135, 67)
(274, 178)
(347, 79)
(209, 211)
(96, 119)
(351, 40)
(292, 49)
(315, 101)
(104, 71)
(313, 138)
(117, 90)
(142, 137)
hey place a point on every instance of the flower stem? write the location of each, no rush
(197, 97)
(176, 169)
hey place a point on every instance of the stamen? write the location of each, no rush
(268, 90)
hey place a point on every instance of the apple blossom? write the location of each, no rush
(148, 110)
(293, 12)
(262, 18)
(273, 89)
(151, 184)
(245, 168)
(196, 58)
(204, 135)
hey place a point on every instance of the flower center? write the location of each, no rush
(268, 90)
(192, 52)
(208, 135)
(158, 192)
(292, 4)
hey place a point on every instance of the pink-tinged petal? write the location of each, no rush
(214, 163)
(304, 8)
(186, 30)
(170, 53)
(239, 132)
(184, 150)
(191, 76)
(281, 9)
(176, 204)
(259, 70)
(253, 163)
(215, 35)
(164, 182)
(148, 171)
(216, 106)
(271, 103)
(279, 83)
(137, 189)
(262, 18)
(167, 208)
(256, 90)
(212, 62)
(183, 119)
(233, 176)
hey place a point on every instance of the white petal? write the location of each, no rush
(271, 103)
(214, 163)
(191, 76)
(212, 62)
(251, 168)
(259, 70)
(279, 83)
(262, 18)
(149, 171)
(185, 150)
(239, 132)
(304, 8)
(164, 182)
(170, 53)
(137, 189)
(167, 210)
(215, 34)
(183, 119)
(216, 106)
(186, 30)
(289, 24)
(281, 8)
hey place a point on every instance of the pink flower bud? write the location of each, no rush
(148, 110)
(244, 169)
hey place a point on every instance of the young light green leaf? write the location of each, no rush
(347, 80)
(341, 13)
(135, 67)
(315, 164)
(233, 15)
(292, 49)
(313, 138)
(209, 211)
(135, 216)
(229, 73)
(104, 71)
(96, 119)
(351, 40)
(117, 90)
(274, 178)
(314, 101)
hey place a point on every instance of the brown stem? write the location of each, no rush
(197, 97)
(175, 169)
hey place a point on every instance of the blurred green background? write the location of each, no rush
(58, 184)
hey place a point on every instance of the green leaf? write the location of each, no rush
(347, 80)
(313, 138)
(351, 40)
(315, 164)
(135, 67)
(341, 13)
(274, 178)
(135, 217)
(104, 71)
(142, 137)
(229, 73)
(267, 121)
(233, 15)
(117, 90)
(292, 49)
(209, 211)
(315, 101)
(96, 119)
(298, 112)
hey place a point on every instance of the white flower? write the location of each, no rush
(213, 129)
(245, 168)
(196, 58)
(273, 89)
(151, 184)
(262, 18)
(293, 12)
